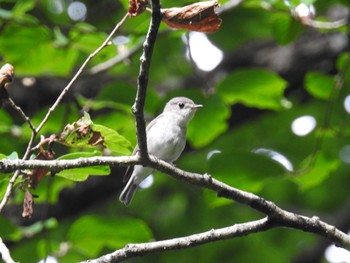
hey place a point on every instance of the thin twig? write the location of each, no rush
(67, 88)
(21, 113)
(325, 25)
(116, 60)
(145, 62)
(16, 174)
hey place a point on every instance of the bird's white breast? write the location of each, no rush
(166, 137)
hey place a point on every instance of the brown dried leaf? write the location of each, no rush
(37, 174)
(27, 205)
(96, 139)
(199, 17)
(137, 7)
(81, 134)
(6, 76)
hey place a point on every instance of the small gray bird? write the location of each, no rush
(166, 139)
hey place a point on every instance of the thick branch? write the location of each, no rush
(277, 216)
(145, 62)
(7, 165)
(136, 250)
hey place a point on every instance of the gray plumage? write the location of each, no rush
(166, 139)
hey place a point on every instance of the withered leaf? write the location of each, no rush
(27, 205)
(137, 7)
(6, 76)
(37, 174)
(96, 139)
(80, 133)
(199, 17)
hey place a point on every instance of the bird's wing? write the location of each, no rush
(151, 124)
(130, 168)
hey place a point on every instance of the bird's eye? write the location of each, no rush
(181, 105)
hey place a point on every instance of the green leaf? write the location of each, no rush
(91, 233)
(13, 156)
(5, 122)
(242, 21)
(343, 65)
(245, 170)
(318, 172)
(209, 122)
(319, 85)
(36, 46)
(22, 7)
(81, 174)
(8, 230)
(52, 196)
(286, 29)
(255, 88)
(112, 140)
(84, 133)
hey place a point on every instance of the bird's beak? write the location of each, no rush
(196, 106)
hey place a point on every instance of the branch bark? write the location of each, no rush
(276, 215)
(137, 250)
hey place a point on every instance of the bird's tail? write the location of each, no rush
(128, 193)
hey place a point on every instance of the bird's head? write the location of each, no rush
(182, 106)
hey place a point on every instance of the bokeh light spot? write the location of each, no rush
(347, 104)
(203, 52)
(77, 11)
(335, 254)
(303, 125)
(276, 156)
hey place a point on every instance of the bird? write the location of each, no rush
(166, 140)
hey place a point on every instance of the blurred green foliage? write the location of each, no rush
(42, 42)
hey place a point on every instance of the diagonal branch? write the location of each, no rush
(21, 113)
(115, 60)
(5, 253)
(78, 73)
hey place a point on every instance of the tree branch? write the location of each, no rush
(277, 216)
(21, 113)
(136, 250)
(145, 62)
(5, 253)
(7, 165)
